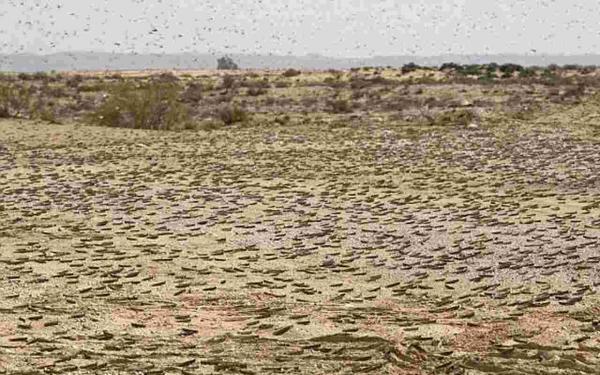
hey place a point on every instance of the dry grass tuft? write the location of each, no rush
(231, 113)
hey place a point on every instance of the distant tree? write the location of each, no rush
(553, 67)
(470, 70)
(492, 66)
(509, 69)
(410, 67)
(449, 66)
(226, 63)
(527, 72)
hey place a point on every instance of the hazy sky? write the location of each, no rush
(330, 27)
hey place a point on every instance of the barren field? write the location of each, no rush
(426, 226)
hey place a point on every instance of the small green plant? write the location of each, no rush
(508, 70)
(527, 73)
(549, 76)
(487, 77)
(153, 105)
(470, 70)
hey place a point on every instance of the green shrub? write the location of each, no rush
(527, 72)
(487, 77)
(44, 111)
(492, 67)
(449, 66)
(15, 100)
(151, 105)
(509, 69)
(549, 76)
(470, 70)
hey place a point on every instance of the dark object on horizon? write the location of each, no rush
(449, 66)
(510, 68)
(291, 73)
(226, 63)
(410, 67)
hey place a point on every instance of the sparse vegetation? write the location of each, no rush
(231, 114)
(193, 93)
(339, 106)
(142, 106)
(342, 222)
(229, 82)
(457, 117)
(55, 97)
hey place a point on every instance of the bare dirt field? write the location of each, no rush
(424, 227)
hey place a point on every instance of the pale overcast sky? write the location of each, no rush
(340, 28)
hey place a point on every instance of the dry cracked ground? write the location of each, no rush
(303, 248)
